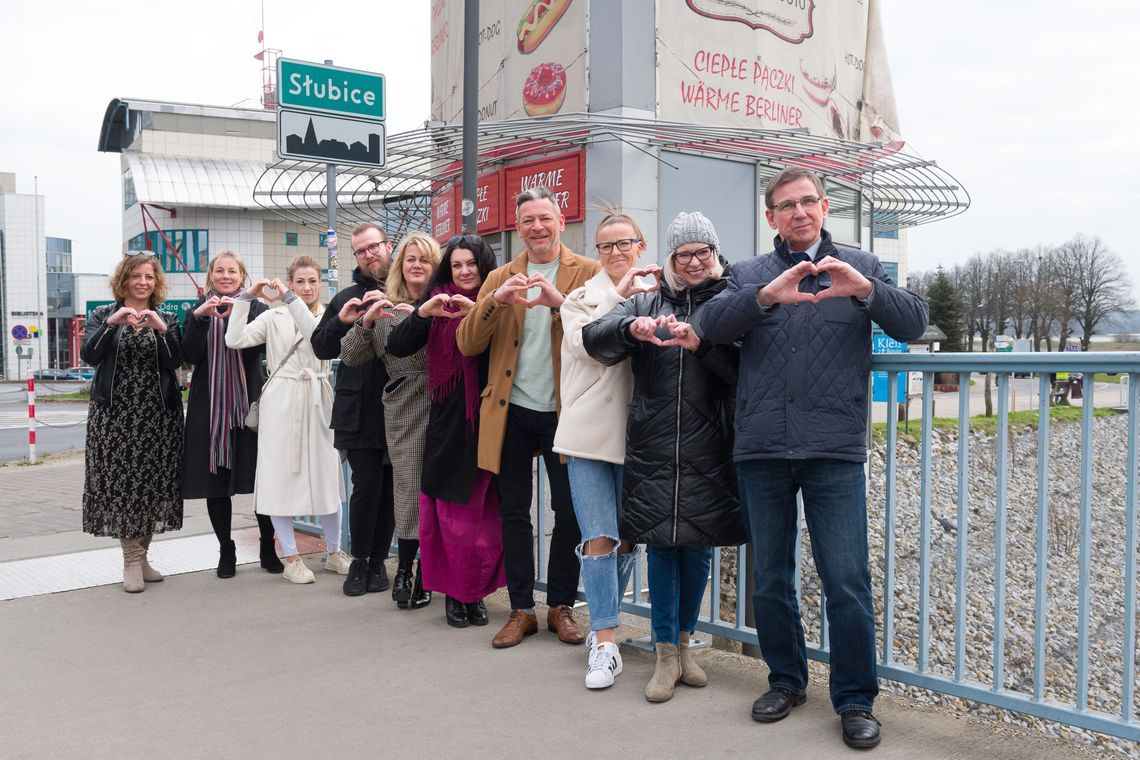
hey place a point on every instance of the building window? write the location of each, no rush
(129, 197)
(192, 246)
(291, 238)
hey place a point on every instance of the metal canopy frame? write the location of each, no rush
(902, 189)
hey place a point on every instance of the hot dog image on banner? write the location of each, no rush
(532, 59)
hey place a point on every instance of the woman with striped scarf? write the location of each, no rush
(220, 454)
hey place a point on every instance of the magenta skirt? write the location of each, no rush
(461, 545)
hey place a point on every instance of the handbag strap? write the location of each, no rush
(273, 374)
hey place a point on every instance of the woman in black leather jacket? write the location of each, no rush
(133, 477)
(679, 485)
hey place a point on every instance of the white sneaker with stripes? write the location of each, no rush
(605, 664)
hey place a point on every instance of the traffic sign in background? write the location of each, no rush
(330, 89)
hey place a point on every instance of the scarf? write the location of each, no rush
(229, 399)
(445, 363)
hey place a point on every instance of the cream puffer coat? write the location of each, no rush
(595, 398)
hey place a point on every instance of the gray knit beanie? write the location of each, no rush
(690, 228)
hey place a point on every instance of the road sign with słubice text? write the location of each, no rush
(317, 87)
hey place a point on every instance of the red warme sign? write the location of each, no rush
(496, 191)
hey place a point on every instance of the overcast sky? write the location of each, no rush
(1030, 106)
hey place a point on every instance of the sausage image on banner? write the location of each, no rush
(545, 89)
(537, 22)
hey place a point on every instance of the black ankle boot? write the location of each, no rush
(420, 597)
(477, 613)
(456, 612)
(269, 559)
(357, 581)
(402, 586)
(227, 560)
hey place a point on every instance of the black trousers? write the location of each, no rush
(371, 515)
(528, 432)
(221, 512)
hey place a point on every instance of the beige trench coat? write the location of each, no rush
(298, 471)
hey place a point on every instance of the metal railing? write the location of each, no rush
(906, 636)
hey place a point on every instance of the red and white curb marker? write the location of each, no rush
(31, 417)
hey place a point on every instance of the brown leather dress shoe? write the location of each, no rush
(560, 620)
(518, 625)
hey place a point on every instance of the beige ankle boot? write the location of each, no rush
(132, 565)
(149, 574)
(665, 675)
(691, 673)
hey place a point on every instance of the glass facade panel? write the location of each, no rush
(842, 214)
(129, 197)
(193, 246)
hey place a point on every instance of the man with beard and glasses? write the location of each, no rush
(358, 416)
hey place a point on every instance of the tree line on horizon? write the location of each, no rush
(1047, 294)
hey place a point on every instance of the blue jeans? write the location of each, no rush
(596, 489)
(677, 578)
(835, 506)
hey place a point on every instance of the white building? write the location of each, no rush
(188, 176)
(23, 301)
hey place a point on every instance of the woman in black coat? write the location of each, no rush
(679, 484)
(461, 546)
(220, 454)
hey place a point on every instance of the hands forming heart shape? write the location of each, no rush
(628, 285)
(548, 295)
(835, 278)
(259, 288)
(645, 329)
(447, 307)
(215, 306)
(138, 320)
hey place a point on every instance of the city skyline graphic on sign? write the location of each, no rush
(334, 149)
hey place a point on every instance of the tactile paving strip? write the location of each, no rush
(101, 567)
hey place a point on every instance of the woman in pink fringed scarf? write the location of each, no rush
(461, 548)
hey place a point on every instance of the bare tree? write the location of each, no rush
(1102, 285)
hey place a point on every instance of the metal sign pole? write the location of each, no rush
(330, 234)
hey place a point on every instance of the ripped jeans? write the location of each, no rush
(596, 489)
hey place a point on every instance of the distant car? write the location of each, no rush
(50, 374)
(81, 373)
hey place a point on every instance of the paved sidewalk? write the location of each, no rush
(254, 667)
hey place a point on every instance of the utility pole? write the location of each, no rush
(470, 112)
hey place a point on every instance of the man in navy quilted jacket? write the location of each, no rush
(804, 313)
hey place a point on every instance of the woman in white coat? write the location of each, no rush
(591, 433)
(297, 467)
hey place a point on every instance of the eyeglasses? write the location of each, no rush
(371, 249)
(624, 245)
(465, 241)
(702, 254)
(140, 253)
(807, 202)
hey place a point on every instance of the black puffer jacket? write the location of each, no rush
(679, 483)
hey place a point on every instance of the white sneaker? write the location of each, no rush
(591, 642)
(338, 562)
(297, 572)
(605, 663)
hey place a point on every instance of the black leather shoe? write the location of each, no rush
(420, 597)
(775, 705)
(357, 580)
(860, 729)
(477, 613)
(227, 560)
(456, 613)
(269, 559)
(402, 586)
(377, 576)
